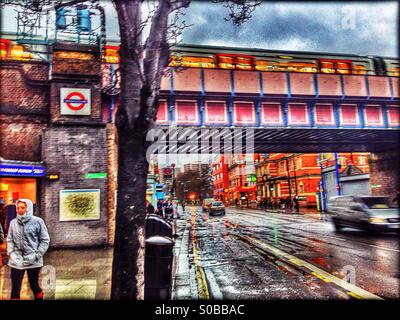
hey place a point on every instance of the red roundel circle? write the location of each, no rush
(79, 97)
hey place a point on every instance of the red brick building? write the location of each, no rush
(281, 175)
(219, 169)
(234, 179)
(55, 146)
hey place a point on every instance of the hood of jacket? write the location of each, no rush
(29, 211)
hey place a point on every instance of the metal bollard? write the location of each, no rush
(158, 268)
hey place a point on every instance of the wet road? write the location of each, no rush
(250, 254)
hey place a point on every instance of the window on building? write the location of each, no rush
(301, 188)
(298, 163)
(362, 160)
(282, 167)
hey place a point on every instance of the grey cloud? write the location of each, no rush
(310, 27)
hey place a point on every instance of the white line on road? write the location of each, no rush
(213, 286)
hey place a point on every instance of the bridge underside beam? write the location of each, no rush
(254, 140)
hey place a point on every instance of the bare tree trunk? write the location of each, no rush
(128, 262)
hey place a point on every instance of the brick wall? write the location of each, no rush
(23, 87)
(21, 137)
(73, 151)
(24, 108)
(384, 173)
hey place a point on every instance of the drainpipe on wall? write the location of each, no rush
(339, 191)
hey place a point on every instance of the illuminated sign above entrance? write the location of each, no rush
(21, 171)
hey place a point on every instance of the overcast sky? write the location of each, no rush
(363, 27)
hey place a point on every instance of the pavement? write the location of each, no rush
(85, 274)
(247, 254)
(68, 274)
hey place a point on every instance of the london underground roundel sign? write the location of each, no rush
(75, 101)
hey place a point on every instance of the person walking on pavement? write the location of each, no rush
(296, 203)
(27, 242)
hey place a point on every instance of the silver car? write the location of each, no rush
(369, 213)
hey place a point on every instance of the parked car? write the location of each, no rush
(206, 203)
(369, 213)
(217, 208)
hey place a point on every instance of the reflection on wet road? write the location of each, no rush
(250, 254)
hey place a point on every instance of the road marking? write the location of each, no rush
(200, 276)
(355, 291)
(383, 248)
(201, 279)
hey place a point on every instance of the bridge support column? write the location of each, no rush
(384, 173)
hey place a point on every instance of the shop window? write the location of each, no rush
(12, 189)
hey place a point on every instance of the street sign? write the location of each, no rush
(96, 175)
(373, 186)
(22, 170)
(75, 101)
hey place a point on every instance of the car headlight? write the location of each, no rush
(377, 220)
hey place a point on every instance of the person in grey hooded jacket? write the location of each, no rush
(27, 242)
